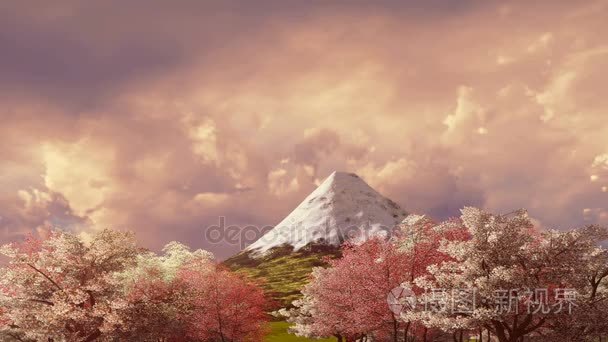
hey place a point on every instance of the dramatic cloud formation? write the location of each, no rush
(162, 117)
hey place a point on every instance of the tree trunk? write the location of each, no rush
(395, 330)
(406, 331)
(93, 336)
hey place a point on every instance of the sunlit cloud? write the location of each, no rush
(241, 112)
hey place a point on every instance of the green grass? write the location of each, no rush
(278, 333)
(282, 272)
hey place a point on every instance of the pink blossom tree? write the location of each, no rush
(61, 288)
(349, 298)
(227, 307)
(184, 296)
(159, 301)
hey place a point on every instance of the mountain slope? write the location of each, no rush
(342, 208)
(282, 271)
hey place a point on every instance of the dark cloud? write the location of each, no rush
(83, 53)
(34, 209)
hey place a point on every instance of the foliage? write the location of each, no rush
(60, 288)
(57, 287)
(348, 299)
(227, 308)
(476, 258)
(184, 296)
(505, 253)
(159, 299)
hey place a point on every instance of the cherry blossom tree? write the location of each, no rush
(349, 298)
(507, 276)
(159, 300)
(184, 296)
(420, 240)
(61, 288)
(586, 264)
(227, 307)
(155, 310)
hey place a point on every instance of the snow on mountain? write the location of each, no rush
(342, 208)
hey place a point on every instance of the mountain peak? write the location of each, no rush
(339, 179)
(339, 175)
(342, 174)
(343, 207)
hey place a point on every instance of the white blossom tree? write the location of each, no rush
(511, 279)
(60, 288)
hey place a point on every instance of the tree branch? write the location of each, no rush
(46, 276)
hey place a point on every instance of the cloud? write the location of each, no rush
(33, 210)
(175, 115)
(316, 144)
(468, 117)
(280, 184)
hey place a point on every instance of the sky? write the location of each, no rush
(163, 116)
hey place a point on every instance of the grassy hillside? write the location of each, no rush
(282, 271)
(278, 333)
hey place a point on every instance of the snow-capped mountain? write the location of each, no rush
(342, 208)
